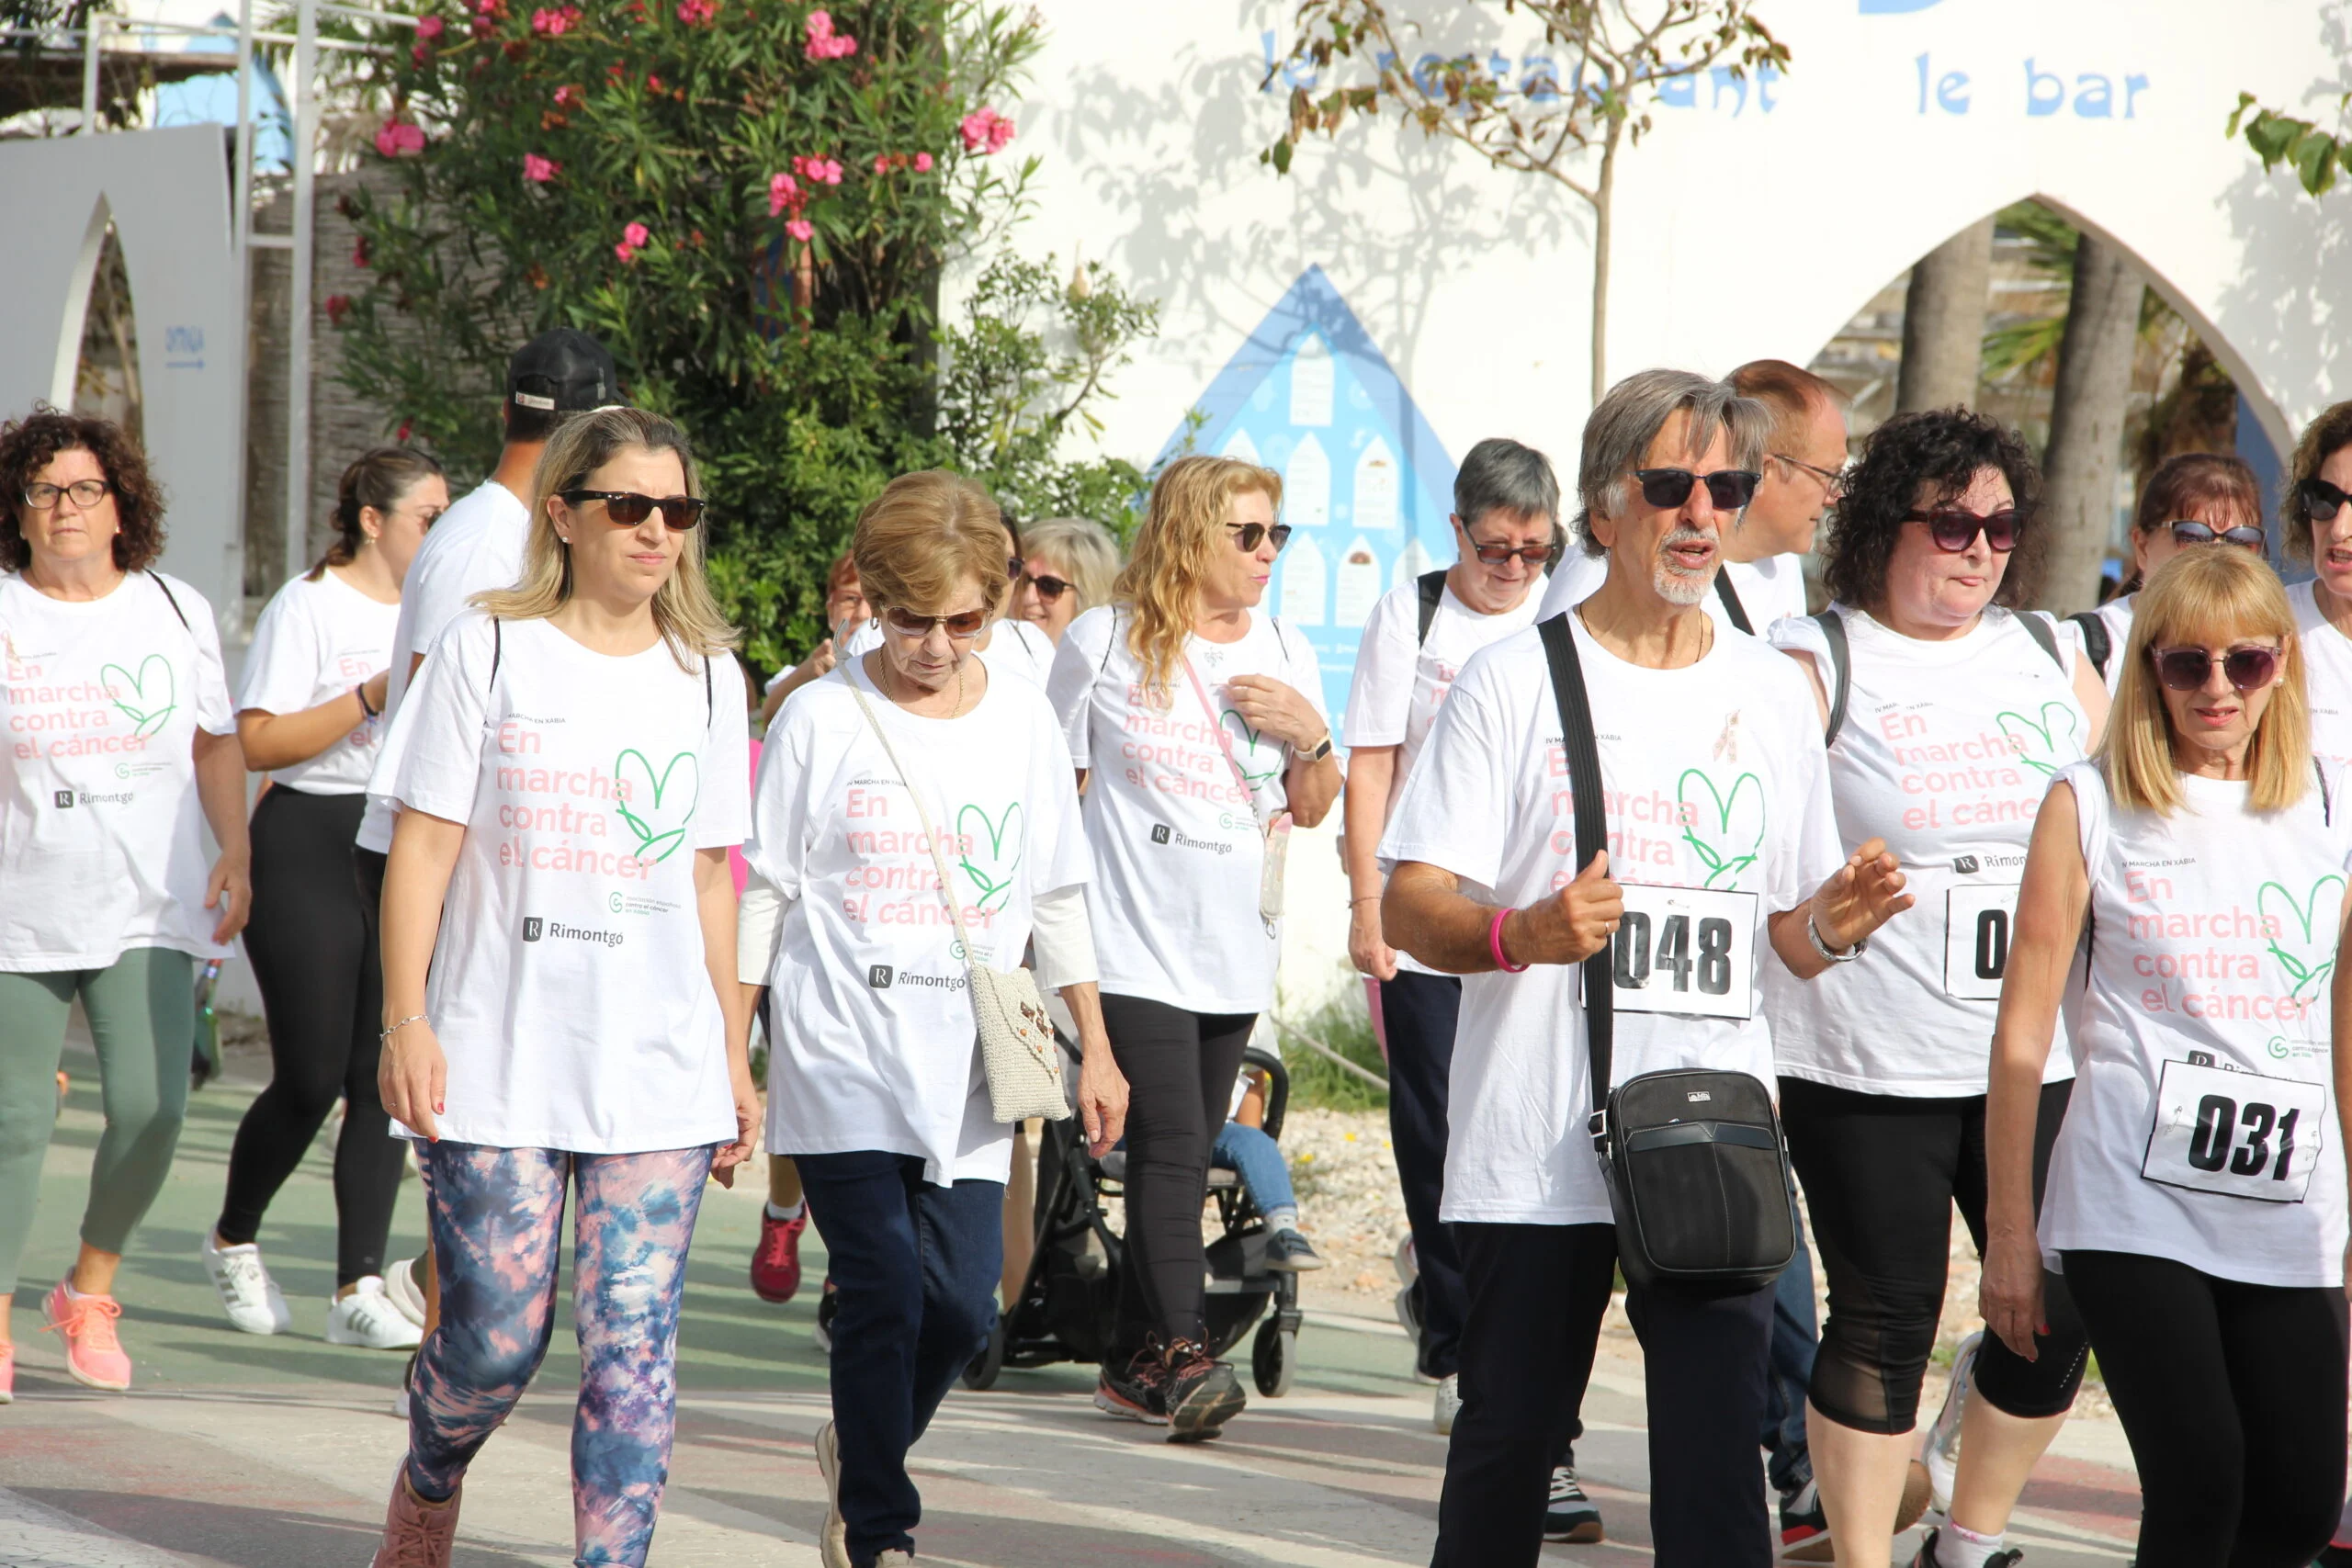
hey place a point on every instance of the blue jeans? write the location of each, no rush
(1254, 1156)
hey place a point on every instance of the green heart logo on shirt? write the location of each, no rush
(1245, 755)
(2303, 939)
(2043, 736)
(148, 699)
(1725, 830)
(992, 854)
(657, 807)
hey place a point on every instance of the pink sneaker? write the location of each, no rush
(7, 1374)
(85, 1325)
(417, 1534)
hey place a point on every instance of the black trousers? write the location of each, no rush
(2232, 1398)
(1179, 1069)
(1536, 1296)
(313, 942)
(1420, 1011)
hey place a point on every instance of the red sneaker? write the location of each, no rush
(776, 1262)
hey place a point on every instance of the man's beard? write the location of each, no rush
(1675, 584)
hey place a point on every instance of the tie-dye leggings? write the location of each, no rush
(497, 1218)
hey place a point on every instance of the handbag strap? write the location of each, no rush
(1224, 743)
(1592, 836)
(923, 815)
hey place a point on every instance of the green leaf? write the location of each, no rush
(2316, 156)
(1282, 151)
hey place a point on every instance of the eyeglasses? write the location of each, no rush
(2322, 500)
(1496, 554)
(959, 627)
(1832, 480)
(2248, 668)
(86, 493)
(628, 509)
(1247, 535)
(1955, 528)
(1729, 488)
(1049, 588)
(2188, 531)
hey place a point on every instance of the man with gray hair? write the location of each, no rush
(1714, 791)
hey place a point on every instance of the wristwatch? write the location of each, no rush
(1813, 935)
(1320, 750)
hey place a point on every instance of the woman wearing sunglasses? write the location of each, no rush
(2193, 498)
(1067, 566)
(2316, 513)
(1946, 712)
(569, 768)
(1196, 718)
(2195, 1200)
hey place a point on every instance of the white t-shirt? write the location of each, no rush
(102, 843)
(2327, 675)
(2212, 940)
(317, 640)
(1768, 589)
(1400, 680)
(2116, 617)
(569, 987)
(1946, 752)
(473, 547)
(1178, 850)
(1715, 776)
(877, 1046)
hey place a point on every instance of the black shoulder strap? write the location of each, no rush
(1592, 836)
(2326, 805)
(1432, 585)
(2095, 642)
(2038, 628)
(1841, 671)
(709, 697)
(497, 651)
(168, 599)
(1732, 606)
(1109, 643)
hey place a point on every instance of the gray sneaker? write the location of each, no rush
(1570, 1516)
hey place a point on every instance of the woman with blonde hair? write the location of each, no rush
(1068, 565)
(2195, 1206)
(569, 768)
(1199, 720)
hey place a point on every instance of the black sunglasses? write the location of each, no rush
(1955, 528)
(2188, 669)
(2322, 500)
(1049, 588)
(1729, 488)
(628, 509)
(2188, 531)
(1247, 535)
(1495, 555)
(907, 624)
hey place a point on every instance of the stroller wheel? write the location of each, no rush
(1273, 1359)
(980, 1372)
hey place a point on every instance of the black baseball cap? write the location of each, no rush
(561, 371)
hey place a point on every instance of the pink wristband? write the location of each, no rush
(1494, 945)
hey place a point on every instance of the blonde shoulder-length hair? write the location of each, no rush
(688, 616)
(1183, 523)
(2207, 598)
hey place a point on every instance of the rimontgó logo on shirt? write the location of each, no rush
(882, 976)
(537, 928)
(1161, 833)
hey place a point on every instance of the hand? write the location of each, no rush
(377, 688)
(1366, 950)
(747, 1125)
(1860, 897)
(1275, 710)
(820, 660)
(1102, 1098)
(1570, 926)
(412, 1076)
(229, 889)
(2008, 1291)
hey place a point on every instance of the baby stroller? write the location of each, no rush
(1069, 1304)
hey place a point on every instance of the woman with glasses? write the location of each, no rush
(2316, 515)
(1195, 723)
(560, 1007)
(314, 688)
(846, 613)
(2193, 498)
(120, 749)
(1947, 711)
(913, 775)
(1066, 567)
(2195, 1205)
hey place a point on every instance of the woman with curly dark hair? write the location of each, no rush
(1946, 711)
(120, 745)
(2315, 519)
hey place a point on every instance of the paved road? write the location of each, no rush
(278, 1452)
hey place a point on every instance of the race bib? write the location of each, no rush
(1686, 950)
(2240, 1135)
(1978, 922)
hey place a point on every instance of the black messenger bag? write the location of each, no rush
(1693, 1159)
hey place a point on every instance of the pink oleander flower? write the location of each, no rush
(801, 230)
(396, 139)
(881, 162)
(823, 42)
(923, 163)
(537, 170)
(633, 240)
(419, 53)
(554, 23)
(569, 95)
(816, 170)
(429, 28)
(986, 131)
(337, 304)
(782, 191)
(697, 13)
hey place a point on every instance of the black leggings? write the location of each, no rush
(312, 942)
(1179, 1069)
(1881, 1174)
(2232, 1398)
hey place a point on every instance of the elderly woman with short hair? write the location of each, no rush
(1068, 565)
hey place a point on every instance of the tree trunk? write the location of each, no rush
(1603, 212)
(1943, 322)
(2087, 423)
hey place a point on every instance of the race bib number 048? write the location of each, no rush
(1978, 922)
(2235, 1134)
(1686, 950)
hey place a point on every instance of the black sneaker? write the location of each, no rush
(1287, 1252)
(1135, 1387)
(1203, 1394)
(1927, 1558)
(828, 1307)
(1570, 1516)
(1805, 1526)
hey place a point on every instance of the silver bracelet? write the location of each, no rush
(384, 1037)
(1813, 935)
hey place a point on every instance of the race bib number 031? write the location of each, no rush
(2235, 1134)
(1977, 923)
(1686, 950)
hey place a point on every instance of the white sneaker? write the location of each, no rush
(248, 1296)
(367, 1318)
(1407, 1260)
(400, 1288)
(1939, 1445)
(1449, 1403)
(833, 1543)
(400, 1399)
